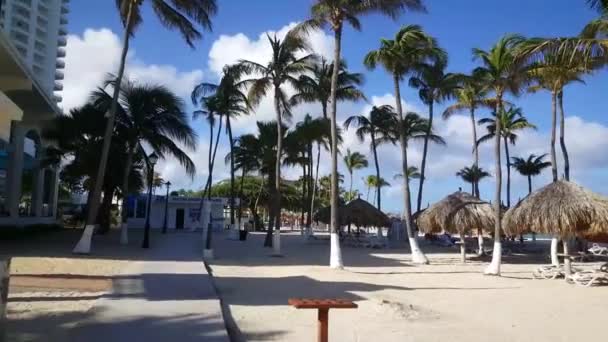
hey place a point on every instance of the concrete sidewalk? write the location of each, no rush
(167, 297)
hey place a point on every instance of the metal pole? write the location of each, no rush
(146, 243)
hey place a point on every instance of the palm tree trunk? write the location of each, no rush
(368, 189)
(257, 201)
(377, 193)
(232, 183)
(417, 254)
(124, 233)
(529, 184)
(304, 193)
(553, 133)
(508, 172)
(562, 135)
(494, 267)
(424, 154)
(350, 188)
(210, 156)
(335, 259)
(84, 244)
(475, 149)
(311, 186)
(240, 212)
(276, 245)
(209, 234)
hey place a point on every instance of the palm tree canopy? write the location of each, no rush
(410, 47)
(334, 13)
(554, 71)
(433, 83)
(532, 166)
(152, 114)
(179, 15)
(315, 86)
(502, 68)
(226, 98)
(354, 161)
(472, 95)
(472, 174)
(412, 173)
(415, 128)
(285, 66)
(380, 122)
(511, 120)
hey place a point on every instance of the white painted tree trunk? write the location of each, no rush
(84, 244)
(335, 254)
(463, 250)
(567, 262)
(276, 243)
(124, 233)
(494, 267)
(5, 274)
(480, 251)
(554, 245)
(417, 256)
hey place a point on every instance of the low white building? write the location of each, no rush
(182, 212)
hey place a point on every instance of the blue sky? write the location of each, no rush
(471, 23)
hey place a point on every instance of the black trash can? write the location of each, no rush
(242, 235)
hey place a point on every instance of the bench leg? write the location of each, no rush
(323, 321)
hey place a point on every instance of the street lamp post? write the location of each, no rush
(168, 184)
(152, 159)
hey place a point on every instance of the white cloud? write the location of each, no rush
(228, 50)
(95, 53)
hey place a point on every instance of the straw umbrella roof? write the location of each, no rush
(456, 213)
(357, 212)
(561, 208)
(363, 214)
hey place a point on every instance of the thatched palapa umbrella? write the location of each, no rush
(457, 213)
(363, 214)
(561, 208)
(357, 212)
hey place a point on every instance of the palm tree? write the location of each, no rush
(333, 14)
(370, 182)
(412, 173)
(354, 161)
(501, 72)
(152, 115)
(553, 73)
(284, 67)
(182, 16)
(244, 156)
(470, 97)
(410, 47)
(316, 87)
(473, 174)
(231, 103)
(511, 121)
(378, 126)
(530, 167)
(434, 86)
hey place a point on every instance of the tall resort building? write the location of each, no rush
(32, 49)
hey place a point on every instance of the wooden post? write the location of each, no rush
(323, 324)
(5, 273)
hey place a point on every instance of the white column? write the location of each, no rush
(38, 183)
(15, 168)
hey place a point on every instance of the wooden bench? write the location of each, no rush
(323, 306)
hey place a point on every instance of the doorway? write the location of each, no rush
(179, 219)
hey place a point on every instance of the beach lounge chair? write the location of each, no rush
(598, 250)
(588, 278)
(548, 272)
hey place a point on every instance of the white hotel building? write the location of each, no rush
(32, 48)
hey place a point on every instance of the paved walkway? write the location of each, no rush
(168, 297)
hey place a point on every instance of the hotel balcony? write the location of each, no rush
(59, 75)
(57, 98)
(63, 32)
(58, 86)
(60, 64)
(63, 21)
(62, 41)
(60, 53)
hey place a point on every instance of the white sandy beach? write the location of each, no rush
(398, 301)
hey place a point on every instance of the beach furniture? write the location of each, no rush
(589, 277)
(322, 306)
(548, 272)
(598, 250)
